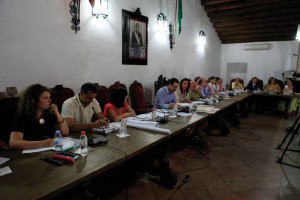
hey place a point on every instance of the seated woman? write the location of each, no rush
(292, 107)
(194, 92)
(237, 85)
(272, 86)
(219, 87)
(37, 120)
(118, 107)
(182, 92)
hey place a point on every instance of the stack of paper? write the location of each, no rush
(146, 125)
(68, 144)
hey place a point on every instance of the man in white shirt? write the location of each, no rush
(79, 110)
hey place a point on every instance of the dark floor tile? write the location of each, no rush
(240, 167)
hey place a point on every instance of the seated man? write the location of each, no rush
(204, 89)
(253, 85)
(79, 110)
(165, 96)
(194, 92)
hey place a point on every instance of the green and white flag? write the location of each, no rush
(179, 16)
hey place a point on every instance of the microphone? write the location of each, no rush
(163, 119)
(101, 124)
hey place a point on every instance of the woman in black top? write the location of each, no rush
(37, 120)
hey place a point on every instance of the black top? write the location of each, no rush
(32, 129)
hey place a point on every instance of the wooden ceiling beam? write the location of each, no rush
(264, 8)
(260, 35)
(256, 40)
(214, 2)
(238, 4)
(255, 31)
(258, 15)
(263, 21)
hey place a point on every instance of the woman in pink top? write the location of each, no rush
(118, 107)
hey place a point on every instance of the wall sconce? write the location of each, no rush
(75, 12)
(298, 33)
(99, 8)
(162, 23)
(202, 38)
(171, 35)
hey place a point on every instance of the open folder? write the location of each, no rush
(147, 125)
(68, 144)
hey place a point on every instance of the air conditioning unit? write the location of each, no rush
(257, 46)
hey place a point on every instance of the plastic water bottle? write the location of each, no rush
(153, 115)
(123, 128)
(58, 143)
(83, 144)
(175, 109)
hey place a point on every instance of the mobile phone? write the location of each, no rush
(52, 161)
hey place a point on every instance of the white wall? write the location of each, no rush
(262, 63)
(37, 45)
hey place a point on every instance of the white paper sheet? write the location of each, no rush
(184, 114)
(114, 126)
(68, 143)
(3, 160)
(5, 170)
(144, 123)
(156, 129)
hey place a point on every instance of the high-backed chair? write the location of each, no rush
(280, 83)
(161, 82)
(102, 96)
(8, 109)
(59, 94)
(137, 97)
(116, 85)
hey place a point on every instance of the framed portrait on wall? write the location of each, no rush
(134, 38)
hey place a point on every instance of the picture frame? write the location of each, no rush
(134, 38)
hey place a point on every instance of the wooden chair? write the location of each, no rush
(59, 94)
(161, 82)
(137, 97)
(116, 85)
(8, 109)
(102, 96)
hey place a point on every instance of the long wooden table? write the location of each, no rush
(32, 178)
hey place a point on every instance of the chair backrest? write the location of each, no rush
(8, 109)
(59, 94)
(280, 83)
(161, 82)
(102, 96)
(116, 85)
(260, 84)
(137, 97)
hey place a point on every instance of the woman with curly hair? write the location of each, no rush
(36, 120)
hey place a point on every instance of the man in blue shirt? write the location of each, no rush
(165, 97)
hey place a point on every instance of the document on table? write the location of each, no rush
(68, 143)
(5, 170)
(3, 160)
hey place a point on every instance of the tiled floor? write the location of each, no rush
(240, 167)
